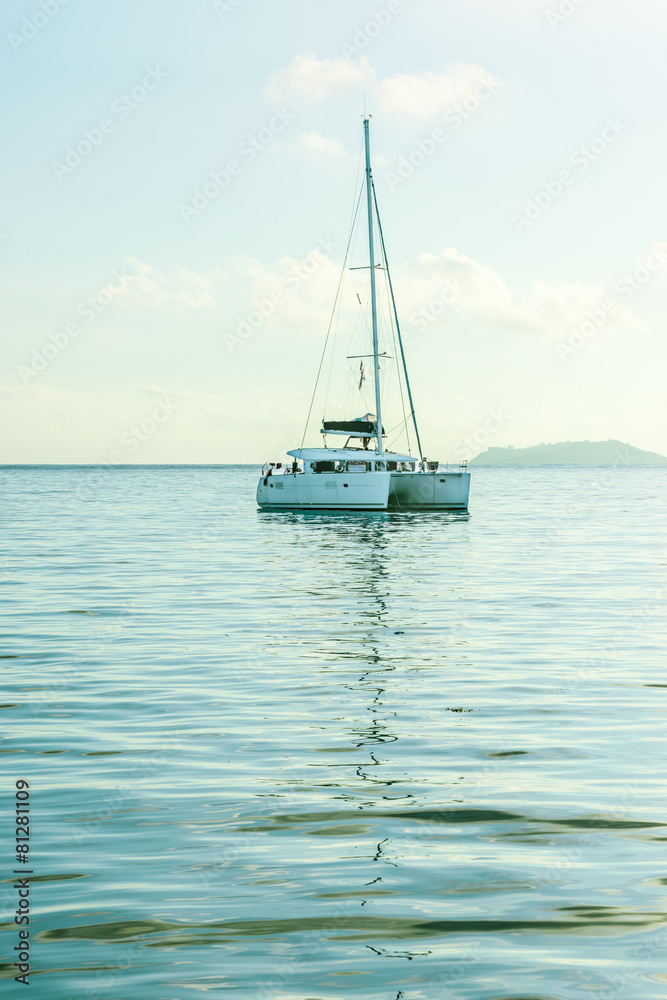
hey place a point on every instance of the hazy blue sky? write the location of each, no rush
(520, 154)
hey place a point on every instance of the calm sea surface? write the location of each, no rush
(311, 756)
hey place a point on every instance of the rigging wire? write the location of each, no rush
(398, 374)
(338, 306)
(400, 339)
(340, 282)
(350, 249)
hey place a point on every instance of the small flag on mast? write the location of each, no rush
(362, 376)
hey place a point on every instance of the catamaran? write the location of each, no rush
(363, 474)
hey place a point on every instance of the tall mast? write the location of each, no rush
(398, 328)
(371, 254)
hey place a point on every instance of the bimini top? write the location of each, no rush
(349, 454)
(363, 427)
(353, 428)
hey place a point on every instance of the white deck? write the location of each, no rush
(348, 454)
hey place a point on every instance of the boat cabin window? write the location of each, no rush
(324, 466)
(358, 466)
(392, 466)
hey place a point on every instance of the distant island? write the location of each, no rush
(571, 453)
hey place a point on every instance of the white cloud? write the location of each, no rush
(316, 143)
(177, 289)
(441, 289)
(451, 287)
(426, 95)
(312, 79)
(472, 342)
(244, 281)
(413, 95)
(297, 293)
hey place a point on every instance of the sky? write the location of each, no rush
(178, 181)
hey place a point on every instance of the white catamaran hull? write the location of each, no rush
(429, 490)
(318, 491)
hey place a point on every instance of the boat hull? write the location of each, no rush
(429, 491)
(321, 491)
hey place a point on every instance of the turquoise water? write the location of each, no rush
(311, 756)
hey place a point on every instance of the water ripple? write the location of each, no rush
(381, 756)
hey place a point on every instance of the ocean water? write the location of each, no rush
(311, 756)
